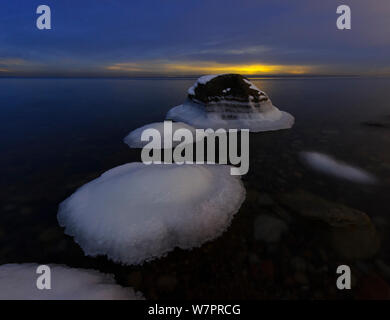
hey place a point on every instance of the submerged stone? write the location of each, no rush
(377, 124)
(268, 228)
(350, 232)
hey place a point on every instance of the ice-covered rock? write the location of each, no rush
(328, 165)
(136, 212)
(19, 282)
(229, 101)
(201, 81)
(133, 139)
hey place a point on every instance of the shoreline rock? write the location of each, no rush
(350, 232)
(229, 101)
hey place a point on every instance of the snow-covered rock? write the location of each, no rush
(133, 139)
(18, 282)
(328, 165)
(202, 80)
(136, 212)
(229, 101)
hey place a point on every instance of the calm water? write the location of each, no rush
(57, 134)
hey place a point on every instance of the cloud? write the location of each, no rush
(197, 37)
(234, 51)
(11, 61)
(10, 64)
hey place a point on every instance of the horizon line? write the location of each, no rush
(187, 76)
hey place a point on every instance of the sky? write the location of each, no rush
(194, 37)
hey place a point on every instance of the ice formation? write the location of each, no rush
(202, 80)
(133, 139)
(229, 101)
(19, 282)
(136, 212)
(328, 165)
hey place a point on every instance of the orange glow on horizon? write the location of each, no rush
(208, 68)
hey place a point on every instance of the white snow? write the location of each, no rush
(269, 229)
(18, 282)
(328, 165)
(136, 212)
(133, 139)
(195, 115)
(201, 80)
(253, 86)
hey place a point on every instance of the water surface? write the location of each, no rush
(57, 134)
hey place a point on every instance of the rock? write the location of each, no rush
(377, 124)
(62, 245)
(134, 279)
(301, 278)
(267, 269)
(385, 165)
(298, 263)
(356, 242)
(130, 215)
(167, 282)
(51, 235)
(298, 174)
(268, 228)
(384, 268)
(226, 88)
(259, 199)
(381, 224)
(16, 283)
(166, 129)
(373, 288)
(253, 258)
(281, 213)
(350, 232)
(323, 255)
(264, 200)
(363, 267)
(229, 101)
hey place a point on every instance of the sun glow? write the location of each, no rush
(207, 67)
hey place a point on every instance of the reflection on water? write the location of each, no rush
(57, 134)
